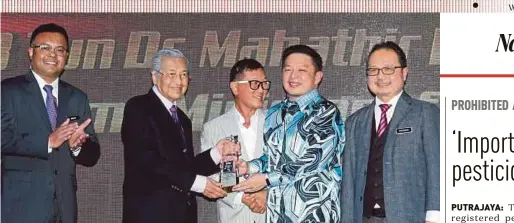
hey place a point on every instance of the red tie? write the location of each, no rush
(383, 119)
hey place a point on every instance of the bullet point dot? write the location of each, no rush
(475, 5)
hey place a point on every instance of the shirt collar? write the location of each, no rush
(306, 99)
(241, 119)
(42, 83)
(392, 102)
(163, 99)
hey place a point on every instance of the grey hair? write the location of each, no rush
(156, 59)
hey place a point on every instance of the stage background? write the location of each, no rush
(110, 53)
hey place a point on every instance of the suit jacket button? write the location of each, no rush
(56, 172)
(360, 198)
(184, 151)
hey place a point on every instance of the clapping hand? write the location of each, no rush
(61, 134)
(79, 137)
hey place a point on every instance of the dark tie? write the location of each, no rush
(383, 119)
(51, 105)
(174, 116)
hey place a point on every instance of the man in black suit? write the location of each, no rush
(161, 172)
(40, 145)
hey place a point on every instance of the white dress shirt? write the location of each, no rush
(249, 139)
(200, 181)
(55, 93)
(432, 215)
(248, 135)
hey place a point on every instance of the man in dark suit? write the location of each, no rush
(391, 157)
(161, 172)
(40, 145)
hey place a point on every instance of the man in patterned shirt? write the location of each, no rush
(303, 144)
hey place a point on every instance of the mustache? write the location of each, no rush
(382, 82)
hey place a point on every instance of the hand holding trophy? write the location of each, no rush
(229, 175)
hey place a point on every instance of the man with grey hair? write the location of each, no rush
(161, 171)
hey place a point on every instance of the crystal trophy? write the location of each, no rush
(228, 170)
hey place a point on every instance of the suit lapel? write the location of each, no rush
(163, 122)
(185, 127)
(365, 132)
(63, 98)
(35, 100)
(403, 106)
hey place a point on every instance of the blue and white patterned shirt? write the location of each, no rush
(304, 141)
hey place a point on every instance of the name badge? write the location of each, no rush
(404, 130)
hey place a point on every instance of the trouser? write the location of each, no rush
(56, 213)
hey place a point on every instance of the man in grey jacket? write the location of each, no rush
(391, 157)
(249, 86)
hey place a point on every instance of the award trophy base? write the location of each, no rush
(229, 172)
(228, 178)
(228, 189)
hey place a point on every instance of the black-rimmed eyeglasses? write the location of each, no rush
(385, 70)
(255, 84)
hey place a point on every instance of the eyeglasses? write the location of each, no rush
(183, 75)
(46, 49)
(385, 70)
(255, 84)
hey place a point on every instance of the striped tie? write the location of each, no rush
(383, 119)
(176, 120)
(174, 114)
